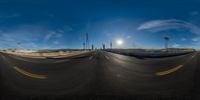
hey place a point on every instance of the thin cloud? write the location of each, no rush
(15, 15)
(183, 39)
(128, 37)
(67, 28)
(56, 42)
(175, 45)
(196, 39)
(49, 35)
(52, 34)
(10, 40)
(29, 36)
(194, 13)
(161, 25)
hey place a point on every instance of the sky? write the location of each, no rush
(55, 24)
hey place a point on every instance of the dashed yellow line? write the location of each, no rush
(169, 71)
(30, 74)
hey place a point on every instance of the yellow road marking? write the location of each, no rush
(30, 74)
(169, 71)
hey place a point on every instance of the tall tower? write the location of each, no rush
(166, 38)
(103, 45)
(92, 47)
(87, 45)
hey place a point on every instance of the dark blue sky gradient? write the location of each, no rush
(50, 24)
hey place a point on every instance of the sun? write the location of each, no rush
(119, 42)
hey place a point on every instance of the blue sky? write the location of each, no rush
(51, 24)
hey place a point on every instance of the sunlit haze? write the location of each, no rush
(119, 42)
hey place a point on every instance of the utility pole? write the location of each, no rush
(83, 45)
(166, 38)
(87, 41)
(18, 45)
(110, 45)
(92, 47)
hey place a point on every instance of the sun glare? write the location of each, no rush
(119, 42)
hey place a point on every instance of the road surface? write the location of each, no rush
(101, 73)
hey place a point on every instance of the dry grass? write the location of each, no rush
(46, 54)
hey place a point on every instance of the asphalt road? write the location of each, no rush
(100, 73)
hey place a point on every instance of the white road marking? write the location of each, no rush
(3, 56)
(193, 56)
(91, 57)
(60, 61)
(107, 57)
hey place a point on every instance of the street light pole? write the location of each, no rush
(166, 38)
(110, 45)
(83, 45)
(18, 45)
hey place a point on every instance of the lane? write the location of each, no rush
(129, 75)
(64, 78)
(101, 73)
(196, 90)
